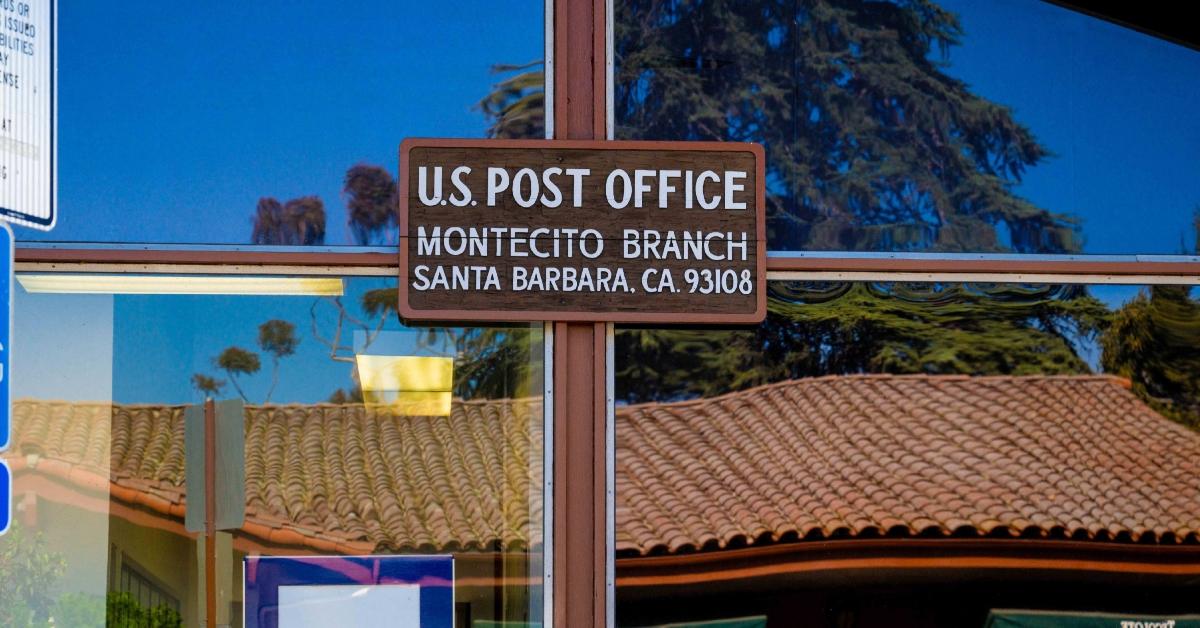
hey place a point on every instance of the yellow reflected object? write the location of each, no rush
(407, 385)
(410, 403)
(66, 283)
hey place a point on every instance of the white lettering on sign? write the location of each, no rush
(528, 187)
(620, 188)
(566, 243)
(638, 231)
(653, 244)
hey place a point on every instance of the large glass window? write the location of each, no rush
(946, 125)
(885, 453)
(896, 453)
(361, 436)
(269, 122)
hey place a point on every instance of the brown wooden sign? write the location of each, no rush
(648, 232)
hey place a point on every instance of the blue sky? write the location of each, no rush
(1116, 107)
(145, 348)
(176, 117)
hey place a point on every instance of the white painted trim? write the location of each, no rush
(205, 269)
(1070, 278)
(983, 257)
(776, 275)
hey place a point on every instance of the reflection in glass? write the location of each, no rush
(815, 329)
(905, 454)
(244, 130)
(927, 126)
(65, 283)
(407, 384)
(99, 450)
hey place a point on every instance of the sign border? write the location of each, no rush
(25, 220)
(760, 281)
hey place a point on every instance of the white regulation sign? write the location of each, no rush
(28, 107)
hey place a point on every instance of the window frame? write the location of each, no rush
(565, 77)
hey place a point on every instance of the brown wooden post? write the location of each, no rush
(579, 348)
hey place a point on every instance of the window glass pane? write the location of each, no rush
(928, 126)
(268, 122)
(911, 454)
(361, 436)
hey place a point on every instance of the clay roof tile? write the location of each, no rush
(831, 457)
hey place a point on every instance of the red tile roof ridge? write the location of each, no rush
(1064, 456)
(142, 466)
(1118, 380)
(861, 456)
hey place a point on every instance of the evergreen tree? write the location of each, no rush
(1155, 342)
(851, 328)
(870, 144)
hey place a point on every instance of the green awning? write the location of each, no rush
(1008, 618)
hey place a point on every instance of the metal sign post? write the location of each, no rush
(215, 470)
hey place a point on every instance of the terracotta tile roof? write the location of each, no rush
(331, 477)
(833, 457)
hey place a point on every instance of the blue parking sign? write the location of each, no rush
(6, 281)
(5, 497)
(5, 333)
